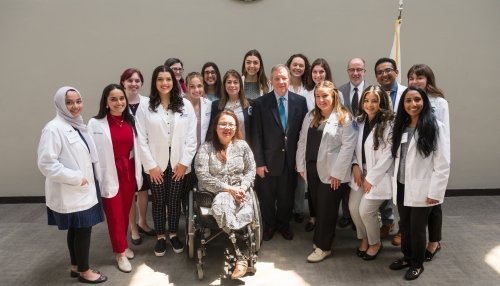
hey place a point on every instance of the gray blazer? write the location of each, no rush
(346, 92)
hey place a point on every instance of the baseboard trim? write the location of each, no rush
(449, 193)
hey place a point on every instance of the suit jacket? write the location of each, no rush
(346, 92)
(215, 110)
(271, 144)
(401, 89)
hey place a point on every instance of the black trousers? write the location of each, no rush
(413, 226)
(78, 240)
(276, 198)
(326, 203)
(435, 223)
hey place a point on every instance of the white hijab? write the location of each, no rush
(75, 121)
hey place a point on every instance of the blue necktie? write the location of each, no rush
(282, 113)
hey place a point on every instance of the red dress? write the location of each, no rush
(118, 207)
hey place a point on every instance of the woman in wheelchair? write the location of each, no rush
(226, 166)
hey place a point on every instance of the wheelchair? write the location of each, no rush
(201, 229)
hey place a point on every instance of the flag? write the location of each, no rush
(396, 47)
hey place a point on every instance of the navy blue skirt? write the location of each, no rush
(85, 218)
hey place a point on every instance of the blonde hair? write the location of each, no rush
(342, 112)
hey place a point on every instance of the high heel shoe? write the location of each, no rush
(372, 257)
(429, 255)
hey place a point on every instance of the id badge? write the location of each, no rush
(404, 137)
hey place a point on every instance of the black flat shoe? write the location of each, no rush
(136, 241)
(372, 257)
(310, 226)
(429, 255)
(298, 217)
(399, 264)
(151, 232)
(360, 253)
(101, 279)
(74, 274)
(413, 273)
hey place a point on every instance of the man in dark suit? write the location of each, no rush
(351, 92)
(276, 122)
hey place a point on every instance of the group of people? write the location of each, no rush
(365, 147)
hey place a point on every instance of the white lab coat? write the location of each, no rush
(205, 113)
(424, 177)
(153, 143)
(335, 150)
(64, 160)
(377, 164)
(99, 130)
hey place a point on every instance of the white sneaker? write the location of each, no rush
(123, 264)
(318, 255)
(314, 246)
(129, 253)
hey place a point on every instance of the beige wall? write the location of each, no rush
(88, 43)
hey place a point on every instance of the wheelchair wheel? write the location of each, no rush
(199, 271)
(190, 229)
(258, 224)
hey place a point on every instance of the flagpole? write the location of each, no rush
(396, 45)
(400, 9)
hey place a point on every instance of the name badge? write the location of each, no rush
(404, 137)
(72, 137)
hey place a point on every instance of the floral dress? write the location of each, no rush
(215, 176)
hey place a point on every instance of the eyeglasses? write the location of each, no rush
(209, 72)
(226, 125)
(356, 70)
(177, 69)
(386, 71)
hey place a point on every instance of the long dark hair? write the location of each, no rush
(103, 110)
(427, 127)
(426, 71)
(328, 73)
(261, 74)
(225, 97)
(384, 116)
(218, 83)
(176, 103)
(218, 146)
(307, 66)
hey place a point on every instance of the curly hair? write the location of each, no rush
(176, 102)
(384, 116)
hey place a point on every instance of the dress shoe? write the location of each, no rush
(268, 234)
(298, 217)
(372, 257)
(101, 279)
(129, 253)
(413, 273)
(360, 253)
(429, 255)
(396, 239)
(151, 232)
(318, 255)
(123, 264)
(399, 264)
(240, 269)
(136, 241)
(344, 222)
(287, 233)
(310, 226)
(385, 229)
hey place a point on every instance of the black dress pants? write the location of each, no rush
(413, 226)
(276, 198)
(326, 203)
(435, 223)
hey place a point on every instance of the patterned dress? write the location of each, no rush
(215, 176)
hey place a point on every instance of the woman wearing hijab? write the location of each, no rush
(66, 157)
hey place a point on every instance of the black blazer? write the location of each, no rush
(216, 110)
(270, 143)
